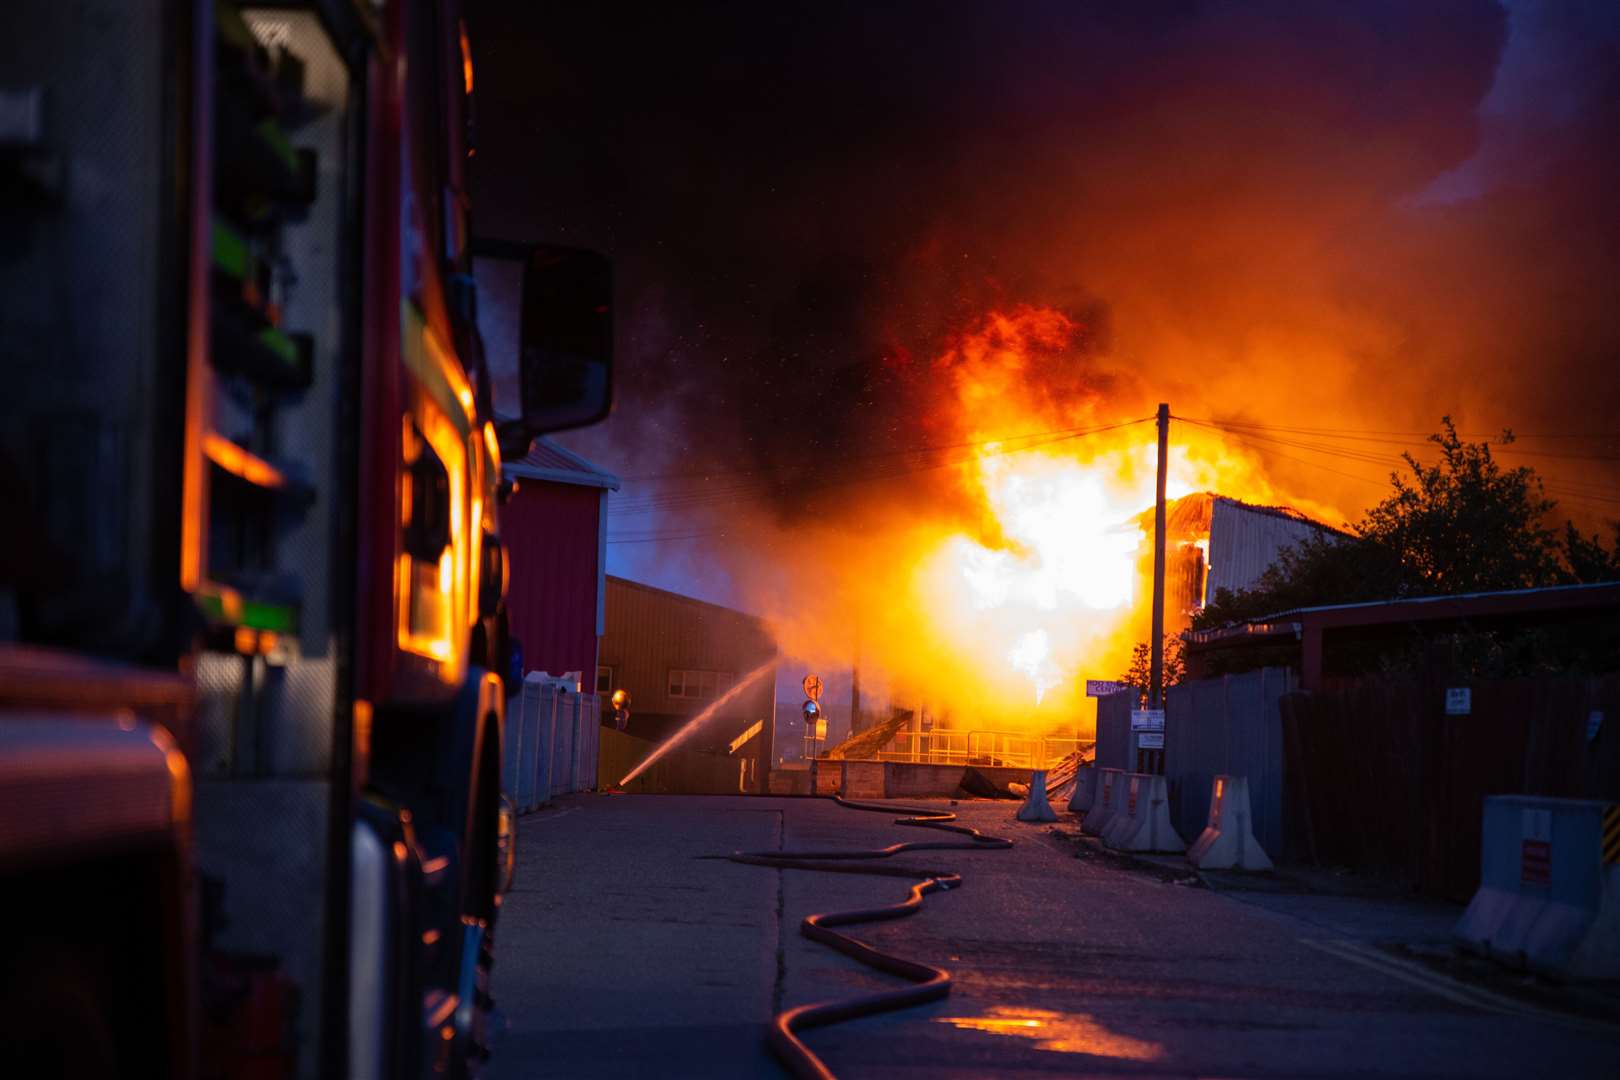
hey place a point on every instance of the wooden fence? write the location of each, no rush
(1380, 778)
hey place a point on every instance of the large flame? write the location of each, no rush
(1051, 584)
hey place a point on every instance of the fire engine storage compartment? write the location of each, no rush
(275, 577)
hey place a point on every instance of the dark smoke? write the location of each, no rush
(1337, 215)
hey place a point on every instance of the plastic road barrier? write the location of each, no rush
(1228, 842)
(1085, 789)
(1144, 821)
(1549, 893)
(1037, 807)
(1110, 784)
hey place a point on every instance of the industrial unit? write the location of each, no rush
(557, 529)
(1215, 542)
(675, 656)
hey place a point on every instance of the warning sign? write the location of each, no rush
(1104, 687)
(1150, 740)
(1459, 701)
(1535, 848)
(1147, 719)
(1611, 834)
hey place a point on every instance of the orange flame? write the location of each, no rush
(1039, 577)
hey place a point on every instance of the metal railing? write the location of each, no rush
(1012, 748)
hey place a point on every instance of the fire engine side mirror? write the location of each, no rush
(566, 359)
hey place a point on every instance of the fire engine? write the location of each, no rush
(252, 638)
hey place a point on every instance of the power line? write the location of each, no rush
(843, 472)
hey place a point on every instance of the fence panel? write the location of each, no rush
(1228, 725)
(1384, 780)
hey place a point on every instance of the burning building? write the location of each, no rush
(1214, 542)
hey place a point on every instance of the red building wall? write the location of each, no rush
(552, 532)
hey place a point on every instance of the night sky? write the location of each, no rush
(1353, 215)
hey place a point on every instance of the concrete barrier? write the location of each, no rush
(1085, 789)
(1037, 807)
(1110, 789)
(1549, 893)
(1228, 842)
(1127, 799)
(1145, 824)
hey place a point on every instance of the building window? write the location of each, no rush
(697, 685)
(604, 680)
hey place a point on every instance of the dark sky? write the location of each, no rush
(1354, 215)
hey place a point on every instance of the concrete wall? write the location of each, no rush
(1229, 725)
(887, 779)
(652, 631)
(679, 772)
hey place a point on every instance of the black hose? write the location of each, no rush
(932, 983)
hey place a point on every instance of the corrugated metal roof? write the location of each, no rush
(1245, 540)
(1416, 601)
(682, 598)
(1418, 607)
(548, 461)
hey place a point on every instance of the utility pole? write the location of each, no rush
(1156, 693)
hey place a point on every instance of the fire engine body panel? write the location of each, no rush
(246, 640)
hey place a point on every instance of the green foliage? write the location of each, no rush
(1140, 672)
(1464, 524)
(1585, 560)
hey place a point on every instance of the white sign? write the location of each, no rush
(1150, 740)
(1459, 701)
(1147, 719)
(1104, 687)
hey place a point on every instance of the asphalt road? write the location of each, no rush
(621, 954)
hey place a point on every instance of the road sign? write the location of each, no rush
(1147, 719)
(1150, 740)
(812, 687)
(1104, 687)
(1459, 701)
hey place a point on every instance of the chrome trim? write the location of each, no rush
(370, 918)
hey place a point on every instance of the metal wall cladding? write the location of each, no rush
(1114, 731)
(550, 530)
(1228, 726)
(1245, 540)
(651, 632)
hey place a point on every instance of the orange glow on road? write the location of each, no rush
(1065, 1033)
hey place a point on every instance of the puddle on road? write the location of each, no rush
(1064, 1033)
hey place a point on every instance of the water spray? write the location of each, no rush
(697, 721)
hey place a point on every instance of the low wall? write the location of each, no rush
(889, 779)
(679, 772)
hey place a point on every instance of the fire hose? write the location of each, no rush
(931, 983)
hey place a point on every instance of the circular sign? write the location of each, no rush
(812, 687)
(811, 711)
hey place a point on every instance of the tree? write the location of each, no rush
(1585, 561)
(1140, 674)
(1465, 524)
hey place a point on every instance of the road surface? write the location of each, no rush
(621, 954)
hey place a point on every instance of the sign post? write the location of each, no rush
(1147, 732)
